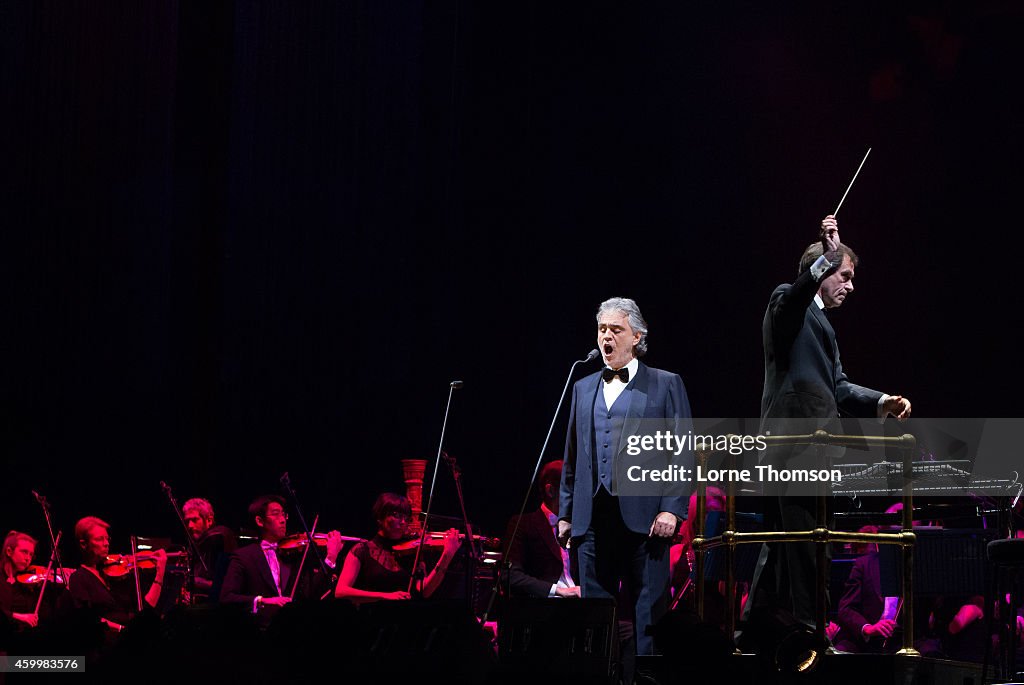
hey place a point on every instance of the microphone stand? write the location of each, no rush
(45, 504)
(192, 544)
(505, 562)
(46, 579)
(452, 387)
(472, 557)
(286, 483)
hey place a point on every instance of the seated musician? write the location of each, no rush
(373, 571)
(958, 624)
(540, 567)
(89, 588)
(214, 542)
(262, 579)
(867, 619)
(17, 601)
(681, 555)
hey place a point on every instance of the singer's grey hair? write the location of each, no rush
(636, 319)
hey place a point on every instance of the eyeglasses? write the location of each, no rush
(400, 517)
(278, 514)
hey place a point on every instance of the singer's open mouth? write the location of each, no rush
(608, 349)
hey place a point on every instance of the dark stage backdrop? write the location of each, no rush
(248, 238)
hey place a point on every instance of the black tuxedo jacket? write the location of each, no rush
(803, 376)
(862, 601)
(655, 396)
(249, 575)
(536, 560)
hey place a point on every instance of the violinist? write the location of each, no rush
(373, 571)
(214, 542)
(90, 587)
(17, 601)
(263, 577)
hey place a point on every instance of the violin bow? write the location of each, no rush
(135, 573)
(305, 553)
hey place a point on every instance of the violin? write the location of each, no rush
(117, 565)
(436, 540)
(298, 542)
(35, 575)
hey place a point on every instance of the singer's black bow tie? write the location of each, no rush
(622, 373)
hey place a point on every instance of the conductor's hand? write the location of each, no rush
(830, 238)
(883, 628)
(664, 525)
(564, 532)
(898, 406)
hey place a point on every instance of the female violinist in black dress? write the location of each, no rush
(373, 571)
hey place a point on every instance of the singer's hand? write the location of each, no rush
(564, 532)
(830, 238)
(568, 592)
(664, 525)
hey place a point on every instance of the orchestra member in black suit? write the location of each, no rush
(540, 567)
(214, 542)
(260, 578)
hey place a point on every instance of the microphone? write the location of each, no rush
(594, 354)
(41, 499)
(455, 385)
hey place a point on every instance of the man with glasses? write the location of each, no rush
(259, 577)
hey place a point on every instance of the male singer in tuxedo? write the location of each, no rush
(804, 380)
(621, 538)
(540, 567)
(260, 578)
